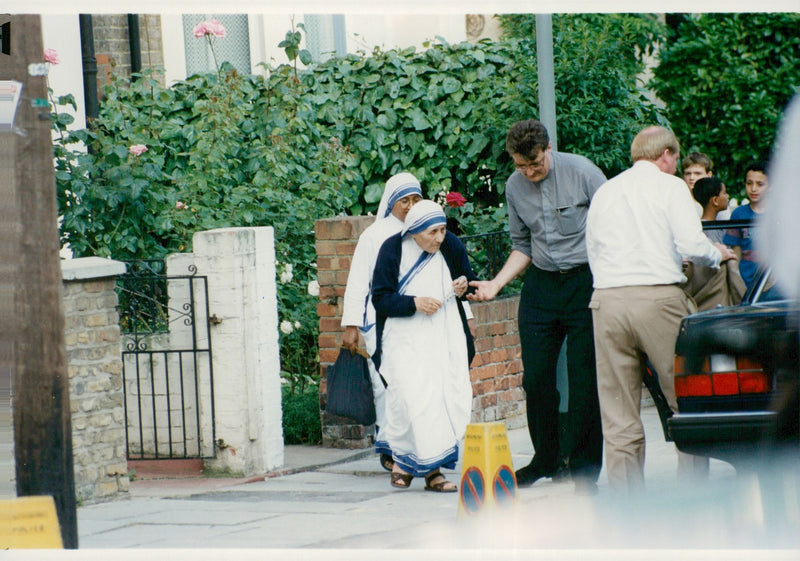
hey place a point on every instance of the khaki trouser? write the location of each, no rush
(630, 322)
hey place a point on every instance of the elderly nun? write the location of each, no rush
(402, 191)
(424, 346)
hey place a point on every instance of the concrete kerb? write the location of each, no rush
(303, 466)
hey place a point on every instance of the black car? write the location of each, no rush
(736, 379)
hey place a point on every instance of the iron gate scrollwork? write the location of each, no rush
(167, 372)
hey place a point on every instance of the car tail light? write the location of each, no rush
(721, 375)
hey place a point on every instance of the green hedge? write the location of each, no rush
(725, 79)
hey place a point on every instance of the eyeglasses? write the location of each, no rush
(536, 165)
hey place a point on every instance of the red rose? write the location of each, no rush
(455, 200)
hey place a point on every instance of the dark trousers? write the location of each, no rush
(554, 307)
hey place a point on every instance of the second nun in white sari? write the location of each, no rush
(424, 346)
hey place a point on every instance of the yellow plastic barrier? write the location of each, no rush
(487, 474)
(29, 523)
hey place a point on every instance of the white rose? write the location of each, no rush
(313, 288)
(286, 327)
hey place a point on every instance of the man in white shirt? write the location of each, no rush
(641, 225)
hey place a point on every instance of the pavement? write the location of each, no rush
(338, 504)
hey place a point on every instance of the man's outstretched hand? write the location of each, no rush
(484, 290)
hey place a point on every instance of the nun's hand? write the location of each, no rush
(460, 286)
(427, 305)
(350, 338)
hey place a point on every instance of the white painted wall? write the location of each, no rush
(389, 31)
(62, 33)
(364, 32)
(240, 266)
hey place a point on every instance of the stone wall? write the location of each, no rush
(94, 363)
(496, 371)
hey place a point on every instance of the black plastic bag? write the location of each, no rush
(350, 388)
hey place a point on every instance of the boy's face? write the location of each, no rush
(694, 172)
(722, 199)
(756, 184)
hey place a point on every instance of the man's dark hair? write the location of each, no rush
(527, 138)
(757, 165)
(706, 188)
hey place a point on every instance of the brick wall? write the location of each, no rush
(496, 371)
(112, 45)
(336, 241)
(94, 364)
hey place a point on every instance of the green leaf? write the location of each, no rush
(388, 119)
(476, 147)
(419, 120)
(373, 192)
(121, 152)
(450, 85)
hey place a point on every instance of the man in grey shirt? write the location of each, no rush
(547, 198)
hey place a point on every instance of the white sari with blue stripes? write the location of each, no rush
(429, 394)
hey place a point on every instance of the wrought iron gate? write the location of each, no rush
(167, 373)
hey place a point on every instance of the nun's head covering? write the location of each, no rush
(423, 215)
(399, 185)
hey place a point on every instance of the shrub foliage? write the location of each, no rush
(725, 79)
(598, 59)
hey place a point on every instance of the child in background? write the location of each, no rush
(710, 192)
(709, 287)
(741, 239)
(696, 166)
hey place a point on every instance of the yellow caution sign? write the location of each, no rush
(487, 474)
(29, 523)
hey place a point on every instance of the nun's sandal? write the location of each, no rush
(401, 480)
(436, 482)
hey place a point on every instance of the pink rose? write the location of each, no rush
(137, 149)
(210, 27)
(51, 56)
(455, 200)
(180, 205)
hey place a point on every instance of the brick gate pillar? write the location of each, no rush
(336, 242)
